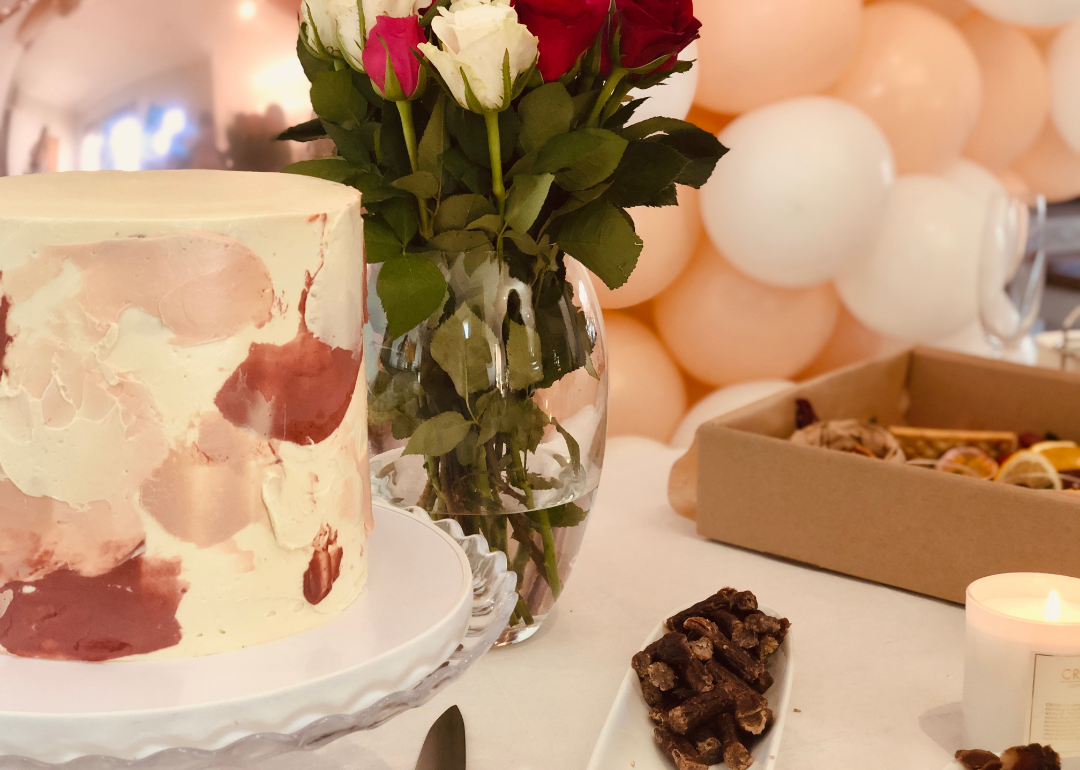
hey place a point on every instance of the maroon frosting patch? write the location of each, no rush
(325, 566)
(296, 392)
(66, 616)
(5, 338)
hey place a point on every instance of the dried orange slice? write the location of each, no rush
(1029, 469)
(968, 461)
(1064, 455)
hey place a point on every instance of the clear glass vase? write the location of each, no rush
(493, 413)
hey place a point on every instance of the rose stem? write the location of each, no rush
(605, 95)
(409, 130)
(491, 119)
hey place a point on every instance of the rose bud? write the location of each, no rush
(566, 30)
(391, 58)
(652, 30)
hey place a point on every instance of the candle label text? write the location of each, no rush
(1055, 703)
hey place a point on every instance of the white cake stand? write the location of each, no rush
(435, 602)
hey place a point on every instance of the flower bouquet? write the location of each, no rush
(496, 149)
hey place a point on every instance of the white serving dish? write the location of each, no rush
(405, 638)
(627, 738)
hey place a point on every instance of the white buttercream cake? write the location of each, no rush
(183, 447)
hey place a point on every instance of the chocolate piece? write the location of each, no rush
(735, 754)
(640, 663)
(702, 649)
(677, 748)
(325, 565)
(752, 671)
(710, 750)
(661, 676)
(977, 759)
(750, 707)
(766, 647)
(699, 710)
(744, 601)
(652, 694)
(805, 415)
(674, 650)
(656, 715)
(1031, 757)
(721, 601)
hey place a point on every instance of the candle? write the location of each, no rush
(1022, 663)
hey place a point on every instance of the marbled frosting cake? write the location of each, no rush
(183, 449)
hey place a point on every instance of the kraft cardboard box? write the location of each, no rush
(904, 526)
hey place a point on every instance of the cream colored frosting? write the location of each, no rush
(182, 386)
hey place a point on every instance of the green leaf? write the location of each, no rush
(305, 132)
(334, 169)
(380, 243)
(514, 416)
(474, 176)
(546, 112)
(602, 238)
(459, 211)
(524, 242)
(581, 159)
(581, 199)
(312, 64)
(456, 242)
(489, 223)
(356, 145)
(422, 184)
(523, 357)
(527, 197)
(571, 445)
(462, 347)
(566, 515)
(334, 98)
(438, 436)
(699, 147)
(411, 289)
(647, 168)
(435, 140)
(400, 214)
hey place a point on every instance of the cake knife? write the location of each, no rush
(444, 747)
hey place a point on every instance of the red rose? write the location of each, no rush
(391, 49)
(566, 29)
(651, 29)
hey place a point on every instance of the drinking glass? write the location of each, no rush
(1012, 270)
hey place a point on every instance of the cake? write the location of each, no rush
(183, 448)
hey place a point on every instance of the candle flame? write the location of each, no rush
(1053, 608)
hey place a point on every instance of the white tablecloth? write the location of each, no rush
(878, 672)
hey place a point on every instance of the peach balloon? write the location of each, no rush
(670, 234)
(1050, 167)
(850, 343)
(1013, 183)
(723, 327)
(758, 51)
(919, 79)
(953, 10)
(646, 393)
(1016, 92)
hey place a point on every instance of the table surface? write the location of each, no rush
(878, 672)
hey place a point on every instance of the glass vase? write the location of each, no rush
(493, 413)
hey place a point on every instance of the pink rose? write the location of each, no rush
(391, 58)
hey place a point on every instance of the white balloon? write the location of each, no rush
(802, 192)
(721, 402)
(1063, 63)
(674, 97)
(920, 282)
(975, 180)
(1033, 13)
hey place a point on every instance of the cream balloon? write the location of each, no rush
(671, 235)
(646, 393)
(721, 402)
(953, 10)
(917, 77)
(1031, 13)
(1051, 167)
(802, 193)
(1016, 92)
(975, 180)
(674, 97)
(920, 282)
(1064, 64)
(754, 53)
(723, 327)
(850, 343)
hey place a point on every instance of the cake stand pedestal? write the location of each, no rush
(436, 601)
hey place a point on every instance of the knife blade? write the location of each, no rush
(444, 747)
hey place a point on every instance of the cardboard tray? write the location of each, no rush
(904, 526)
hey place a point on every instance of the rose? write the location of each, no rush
(390, 59)
(476, 36)
(334, 29)
(652, 29)
(566, 29)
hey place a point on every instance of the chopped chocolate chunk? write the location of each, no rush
(674, 650)
(805, 416)
(702, 649)
(752, 671)
(735, 754)
(1031, 757)
(698, 710)
(662, 676)
(677, 748)
(640, 663)
(653, 695)
(977, 759)
(710, 750)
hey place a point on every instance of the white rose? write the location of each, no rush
(476, 36)
(334, 28)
